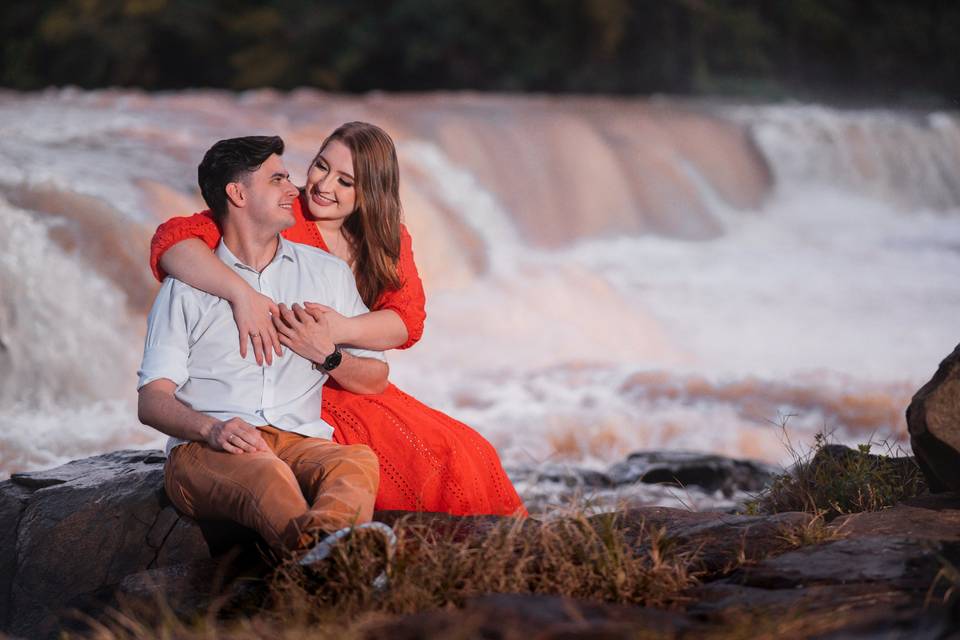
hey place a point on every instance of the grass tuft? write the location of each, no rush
(598, 558)
(812, 533)
(833, 480)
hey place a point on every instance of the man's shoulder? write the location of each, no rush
(318, 258)
(178, 289)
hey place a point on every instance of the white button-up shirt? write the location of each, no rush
(192, 340)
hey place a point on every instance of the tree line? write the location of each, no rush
(900, 50)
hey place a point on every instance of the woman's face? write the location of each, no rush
(330, 189)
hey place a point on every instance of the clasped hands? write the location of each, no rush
(310, 329)
(304, 330)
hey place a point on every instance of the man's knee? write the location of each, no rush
(264, 471)
(358, 458)
(363, 457)
(362, 454)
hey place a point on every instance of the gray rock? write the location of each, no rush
(718, 541)
(894, 561)
(683, 469)
(537, 616)
(859, 610)
(85, 535)
(85, 525)
(933, 419)
(13, 501)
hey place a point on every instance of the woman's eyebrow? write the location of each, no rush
(343, 173)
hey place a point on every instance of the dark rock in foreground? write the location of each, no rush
(71, 530)
(933, 419)
(517, 615)
(99, 531)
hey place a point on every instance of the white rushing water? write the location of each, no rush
(602, 276)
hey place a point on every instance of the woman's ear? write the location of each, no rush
(235, 194)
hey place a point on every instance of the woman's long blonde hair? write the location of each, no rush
(374, 226)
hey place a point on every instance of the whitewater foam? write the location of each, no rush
(825, 294)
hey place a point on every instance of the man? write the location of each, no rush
(246, 441)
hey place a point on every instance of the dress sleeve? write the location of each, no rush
(199, 225)
(408, 301)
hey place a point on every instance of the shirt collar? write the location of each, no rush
(284, 252)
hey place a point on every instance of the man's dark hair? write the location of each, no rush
(227, 161)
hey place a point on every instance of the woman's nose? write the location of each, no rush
(326, 183)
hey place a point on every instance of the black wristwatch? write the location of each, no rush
(331, 362)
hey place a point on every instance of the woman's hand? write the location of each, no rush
(338, 323)
(254, 313)
(375, 330)
(306, 334)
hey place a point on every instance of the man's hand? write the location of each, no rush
(253, 312)
(235, 436)
(306, 334)
(160, 409)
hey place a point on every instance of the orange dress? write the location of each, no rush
(428, 460)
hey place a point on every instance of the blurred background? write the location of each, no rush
(669, 225)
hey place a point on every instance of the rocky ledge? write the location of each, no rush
(78, 537)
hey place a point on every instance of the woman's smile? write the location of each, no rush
(321, 199)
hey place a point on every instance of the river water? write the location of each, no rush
(603, 275)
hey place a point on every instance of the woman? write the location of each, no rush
(350, 207)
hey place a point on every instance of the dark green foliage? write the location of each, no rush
(894, 50)
(837, 480)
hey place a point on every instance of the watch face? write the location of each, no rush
(333, 360)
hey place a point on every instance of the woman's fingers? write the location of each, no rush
(257, 348)
(315, 306)
(245, 332)
(267, 344)
(244, 336)
(271, 332)
(316, 314)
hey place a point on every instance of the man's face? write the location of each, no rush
(270, 195)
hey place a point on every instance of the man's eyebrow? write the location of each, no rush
(280, 174)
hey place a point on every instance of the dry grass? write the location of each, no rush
(814, 532)
(832, 480)
(594, 559)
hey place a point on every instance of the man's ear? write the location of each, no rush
(235, 194)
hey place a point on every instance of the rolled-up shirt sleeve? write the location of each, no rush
(166, 347)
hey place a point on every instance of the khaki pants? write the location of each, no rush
(303, 487)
